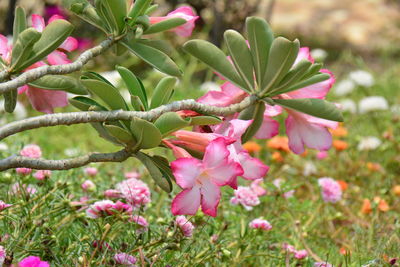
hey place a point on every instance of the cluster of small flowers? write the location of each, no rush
(260, 224)
(330, 189)
(298, 254)
(107, 208)
(184, 225)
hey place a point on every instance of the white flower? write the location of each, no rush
(363, 78)
(112, 76)
(71, 152)
(309, 168)
(369, 143)
(344, 87)
(348, 105)
(372, 103)
(210, 86)
(319, 54)
(3, 147)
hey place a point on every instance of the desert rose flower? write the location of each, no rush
(88, 186)
(135, 192)
(91, 171)
(260, 224)
(330, 189)
(125, 259)
(184, 12)
(42, 174)
(201, 179)
(33, 261)
(184, 225)
(246, 197)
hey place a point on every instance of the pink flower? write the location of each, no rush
(278, 183)
(260, 224)
(245, 196)
(107, 208)
(88, 186)
(31, 151)
(331, 190)
(33, 261)
(112, 193)
(322, 154)
(42, 174)
(135, 192)
(141, 222)
(4, 205)
(259, 190)
(229, 94)
(300, 254)
(186, 226)
(201, 180)
(23, 171)
(132, 174)
(288, 248)
(322, 264)
(125, 259)
(5, 49)
(24, 189)
(91, 171)
(184, 12)
(3, 255)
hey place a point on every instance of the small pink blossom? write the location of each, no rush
(278, 183)
(300, 254)
(4, 205)
(185, 225)
(23, 171)
(257, 188)
(31, 151)
(106, 208)
(260, 224)
(322, 154)
(141, 222)
(288, 248)
(112, 193)
(135, 192)
(3, 255)
(330, 189)
(91, 171)
(322, 264)
(88, 186)
(24, 189)
(42, 174)
(33, 261)
(245, 196)
(132, 174)
(125, 259)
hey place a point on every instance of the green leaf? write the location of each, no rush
(84, 103)
(94, 76)
(312, 106)
(88, 13)
(314, 79)
(60, 83)
(139, 8)
(146, 134)
(109, 94)
(122, 135)
(314, 69)
(205, 120)
(162, 92)
(117, 11)
(133, 84)
(154, 57)
(256, 113)
(137, 103)
(241, 56)
(23, 47)
(282, 55)
(158, 44)
(52, 37)
(10, 100)
(214, 58)
(19, 23)
(163, 164)
(165, 25)
(155, 172)
(260, 38)
(170, 122)
(151, 9)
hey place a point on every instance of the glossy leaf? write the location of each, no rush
(10, 100)
(117, 11)
(23, 47)
(313, 70)
(257, 116)
(94, 76)
(205, 120)
(214, 58)
(161, 45)
(146, 134)
(107, 93)
(165, 25)
(84, 103)
(19, 23)
(137, 103)
(313, 80)
(133, 84)
(162, 92)
(312, 106)
(241, 56)
(151, 9)
(122, 135)
(260, 37)
(170, 122)
(139, 8)
(61, 83)
(154, 57)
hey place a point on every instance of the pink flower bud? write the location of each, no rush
(91, 171)
(42, 174)
(88, 186)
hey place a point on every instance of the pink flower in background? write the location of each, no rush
(257, 188)
(42, 174)
(229, 94)
(201, 180)
(4, 205)
(330, 189)
(91, 171)
(106, 208)
(245, 196)
(260, 224)
(33, 261)
(141, 222)
(112, 193)
(23, 171)
(322, 264)
(125, 259)
(5, 49)
(322, 154)
(300, 254)
(132, 174)
(88, 186)
(278, 183)
(24, 189)
(135, 192)
(31, 151)
(288, 248)
(3, 255)
(185, 225)
(184, 12)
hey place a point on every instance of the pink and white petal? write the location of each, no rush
(233, 91)
(268, 129)
(23, 89)
(186, 202)
(272, 111)
(186, 170)
(70, 44)
(5, 49)
(215, 98)
(223, 174)
(210, 196)
(238, 127)
(38, 22)
(55, 17)
(295, 142)
(216, 153)
(185, 12)
(58, 58)
(253, 168)
(322, 122)
(304, 53)
(46, 100)
(318, 90)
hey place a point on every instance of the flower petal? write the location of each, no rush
(186, 202)
(216, 153)
(318, 90)
(5, 49)
(253, 168)
(210, 196)
(304, 53)
(70, 44)
(46, 100)
(38, 22)
(225, 173)
(215, 98)
(268, 129)
(55, 17)
(58, 58)
(186, 170)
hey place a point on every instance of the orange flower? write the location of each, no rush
(366, 207)
(340, 145)
(339, 131)
(396, 190)
(383, 206)
(276, 156)
(373, 166)
(252, 147)
(344, 251)
(279, 143)
(343, 185)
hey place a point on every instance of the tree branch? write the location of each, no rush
(34, 74)
(64, 164)
(107, 116)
